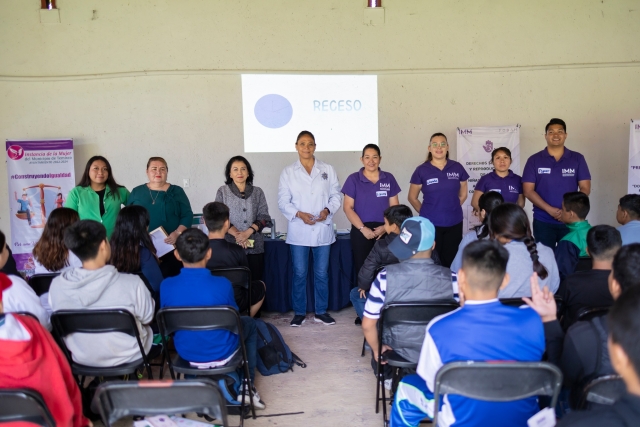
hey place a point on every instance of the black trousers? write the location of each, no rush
(360, 245)
(447, 242)
(256, 265)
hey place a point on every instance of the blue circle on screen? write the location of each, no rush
(273, 111)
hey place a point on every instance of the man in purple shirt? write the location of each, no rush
(547, 176)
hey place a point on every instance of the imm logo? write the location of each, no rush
(385, 186)
(546, 171)
(432, 181)
(513, 189)
(453, 175)
(15, 152)
(568, 171)
(465, 131)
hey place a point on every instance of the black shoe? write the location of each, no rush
(297, 320)
(324, 318)
(358, 321)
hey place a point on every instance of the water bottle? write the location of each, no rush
(273, 228)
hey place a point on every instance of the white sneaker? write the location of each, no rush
(257, 402)
(387, 385)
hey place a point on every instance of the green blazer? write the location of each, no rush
(86, 202)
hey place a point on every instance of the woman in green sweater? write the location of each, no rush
(98, 196)
(168, 207)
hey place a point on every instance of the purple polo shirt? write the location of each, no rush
(510, 186)
(370, 200)
(553, 179)
(440, 189)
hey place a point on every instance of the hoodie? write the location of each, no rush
(104, 288)
(30, 358)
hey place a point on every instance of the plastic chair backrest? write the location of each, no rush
(238, 276)
(497, 381)
(24, 405)
(118, 399)
(512, 302)
(604, 390)
(172, 319)
(415, 313)
(41, 283)
(589, 313)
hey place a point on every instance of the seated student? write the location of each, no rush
(581, 354)
(20, 297)
(195, 286)
(30, 358)
(509, 225)
(132, 250)
(628, 215)
(96, 286)
(50, 255)
(585, 289)
(416, 278)
(486, 203)
(226, 254)
(624, 336)
(482, 330)
(575, 208)
(379, 256)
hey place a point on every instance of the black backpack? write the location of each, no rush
(274, 355)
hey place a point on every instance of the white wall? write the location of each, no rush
(162, 78)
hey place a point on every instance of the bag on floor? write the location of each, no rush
(274, 355)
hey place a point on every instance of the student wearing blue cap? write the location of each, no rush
(416, 278)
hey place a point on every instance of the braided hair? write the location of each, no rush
(487, 202)
(509, 220)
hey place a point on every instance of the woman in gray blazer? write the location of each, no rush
(248, 212)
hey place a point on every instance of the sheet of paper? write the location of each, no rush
(157, 237)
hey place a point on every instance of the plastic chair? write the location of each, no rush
(118, 399)
(238, 276)
(603, 390)
(67, 322)
(518, 302)
(172, 319)
(497, 381)
(398, 314)
(41, 283)
(591, 312)
(24, 405)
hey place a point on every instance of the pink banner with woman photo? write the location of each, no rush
(40, 176)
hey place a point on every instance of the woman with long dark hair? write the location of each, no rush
(443, 183)
(131, 248)
(488, 201)
(508, 224)
(248, 212)
(98, 196)
(50, 254)
(502, 180)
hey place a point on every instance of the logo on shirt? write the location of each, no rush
(405, 236)
(385, 186)
(381, 194)
(546, 171)
(432, 181)
(513, 189)
(497, 190)
(453, 175)
(568, 172)
(324, 176)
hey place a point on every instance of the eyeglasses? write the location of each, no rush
(441, 144)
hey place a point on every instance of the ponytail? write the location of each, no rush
(533, 252)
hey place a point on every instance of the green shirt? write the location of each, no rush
(168, 209)
(578, 235)
(86, 202)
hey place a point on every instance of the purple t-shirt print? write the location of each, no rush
(510, 186)
(440, 189)
(370, 200)
(553, 179)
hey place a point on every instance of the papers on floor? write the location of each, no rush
(157, 237)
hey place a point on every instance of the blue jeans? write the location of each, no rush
(357, 301)
(250, 333)
(549, 234)
(300, 261)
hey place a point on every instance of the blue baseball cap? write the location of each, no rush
(416, 235)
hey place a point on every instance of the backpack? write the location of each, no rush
(274, 355)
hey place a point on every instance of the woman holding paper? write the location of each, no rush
(248, 212)
(98, 196)
(168, 208)
(131, 248)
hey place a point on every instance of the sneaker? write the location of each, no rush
(324, 318)
(257, 402)
(297, 320)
